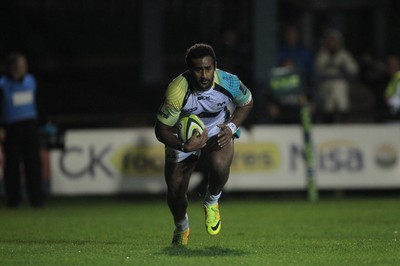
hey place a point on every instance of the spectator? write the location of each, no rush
(392, 93)
(283, 93)
(21, 141)
(335, 68)
(373, 75)
(233, 53)
(292, 48)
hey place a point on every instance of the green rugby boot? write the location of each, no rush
(213, 219)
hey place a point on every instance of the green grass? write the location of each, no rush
(254, 232)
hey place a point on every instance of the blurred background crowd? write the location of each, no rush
(106, 63)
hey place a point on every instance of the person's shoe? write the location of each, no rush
(180, 238)
(213, 219)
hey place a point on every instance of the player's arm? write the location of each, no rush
(243, 100)
(167, 135)
(238, 117)
(244, 104)
(168, 115)
(241, 113)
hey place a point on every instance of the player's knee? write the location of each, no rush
(220, 167)
(176, 192)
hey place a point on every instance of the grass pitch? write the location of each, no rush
(254, 232)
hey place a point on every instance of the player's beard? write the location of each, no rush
(204, 84)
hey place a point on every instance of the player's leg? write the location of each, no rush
(12, 178)
(220, 161)
(32, 163)
(343, 103)
(177, 176)
(202, 169)
(329, 103)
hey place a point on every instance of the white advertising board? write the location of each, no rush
(346, 157)
(266, 158)
(108, 162)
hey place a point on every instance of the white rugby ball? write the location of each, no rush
(187, 125)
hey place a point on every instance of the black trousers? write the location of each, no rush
(22, 145)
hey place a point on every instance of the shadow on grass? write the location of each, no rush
(57, 241)
(204, 252)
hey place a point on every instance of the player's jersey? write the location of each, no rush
(212, 106)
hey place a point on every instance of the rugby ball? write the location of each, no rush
(187, 126)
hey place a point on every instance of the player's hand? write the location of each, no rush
(196, 142)
(224, 136)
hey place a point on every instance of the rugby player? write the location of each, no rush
(209, 93)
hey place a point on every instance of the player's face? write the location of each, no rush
(203, 72)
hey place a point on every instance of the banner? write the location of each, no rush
(266, 158)
(107, 162)
(347, 157)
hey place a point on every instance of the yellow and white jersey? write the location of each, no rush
(212, 106)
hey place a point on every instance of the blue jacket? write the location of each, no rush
(18, 99)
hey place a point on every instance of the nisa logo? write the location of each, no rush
(332, 156)
(386, 156)
(136, 160)
(203, 98)
(256, 157)
(340, 155)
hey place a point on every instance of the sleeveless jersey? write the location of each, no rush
(212, 106)
(18, 99)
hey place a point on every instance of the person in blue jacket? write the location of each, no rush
(19, 119)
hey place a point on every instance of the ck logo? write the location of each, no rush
(94, 160)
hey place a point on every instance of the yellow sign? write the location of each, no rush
(256, 157)
(139, 160)
(146, 160)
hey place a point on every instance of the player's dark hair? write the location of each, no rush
(199, 50)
